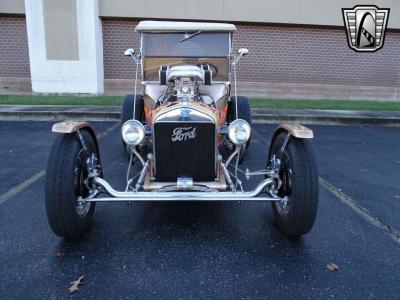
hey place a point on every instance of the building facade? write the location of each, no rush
(298, 48)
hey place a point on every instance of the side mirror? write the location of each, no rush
(243, 51)
(129, 52)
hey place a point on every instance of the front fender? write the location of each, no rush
(69, 127)
(295, 130)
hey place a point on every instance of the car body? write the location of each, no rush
(186, 132)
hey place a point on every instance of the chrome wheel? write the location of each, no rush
(81, 189)
(285, 174)
(82, 208)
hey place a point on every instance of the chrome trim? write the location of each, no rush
(218, 184)
(175, 111)
(183, 71)
(157, 82)
(194, 188)
(183, 196)
(183, 183)
(187, 198)
(141, 57)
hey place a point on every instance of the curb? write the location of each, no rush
(58, 116)
(326, 120)
(263, 116)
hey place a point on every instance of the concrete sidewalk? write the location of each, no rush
(260, 115)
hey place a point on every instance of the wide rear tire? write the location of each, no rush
(127, 108)
(244, 111)
(127, 114)
(299, 177)
(65, 183)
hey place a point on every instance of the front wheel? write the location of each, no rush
(299, 176)
(66, 179)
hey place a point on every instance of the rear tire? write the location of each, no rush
(127, 108)
(244, 112)
(127, 114)
(64, 184)
(299, 177)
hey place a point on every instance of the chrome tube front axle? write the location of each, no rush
(116, 196)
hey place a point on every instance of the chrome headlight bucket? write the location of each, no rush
(133, 132)
(239, 132)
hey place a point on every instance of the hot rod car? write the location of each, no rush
(185, 132)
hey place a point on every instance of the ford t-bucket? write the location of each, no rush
(185, 131)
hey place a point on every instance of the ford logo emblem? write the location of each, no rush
(181, 134)
(185, 113)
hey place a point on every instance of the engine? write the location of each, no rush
(183, 83)
(184, 128)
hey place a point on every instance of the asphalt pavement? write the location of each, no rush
(207, 250)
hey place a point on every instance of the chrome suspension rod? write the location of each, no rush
(184, 196)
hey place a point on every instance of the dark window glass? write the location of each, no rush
(204, 44)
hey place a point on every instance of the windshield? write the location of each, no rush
(192, 44)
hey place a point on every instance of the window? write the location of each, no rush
(203, 44)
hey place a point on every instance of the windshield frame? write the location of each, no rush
(228, 57)
(171, 36)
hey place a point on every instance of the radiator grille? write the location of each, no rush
(187, 156)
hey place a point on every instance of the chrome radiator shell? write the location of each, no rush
(184, 143)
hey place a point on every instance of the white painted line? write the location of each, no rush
(22, 186)
(360, 210)
(107, 131)
(262, 138)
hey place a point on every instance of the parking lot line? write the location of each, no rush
(107, 131)
(360, 210)
(23, 185)
(20, 187)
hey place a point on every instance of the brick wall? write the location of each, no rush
(280, 53)
(118, 35)
(315, 55)
(14, 53)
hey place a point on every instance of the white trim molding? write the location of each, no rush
(84, 75)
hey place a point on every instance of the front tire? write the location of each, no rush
(65, 177)
(299, 177)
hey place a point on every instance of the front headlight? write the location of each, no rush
(133, 132)
(239, 132)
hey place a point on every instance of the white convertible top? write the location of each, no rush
(168, 26)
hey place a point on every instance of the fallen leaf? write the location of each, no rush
(75, 284)
(333, 267)
(60, 254)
